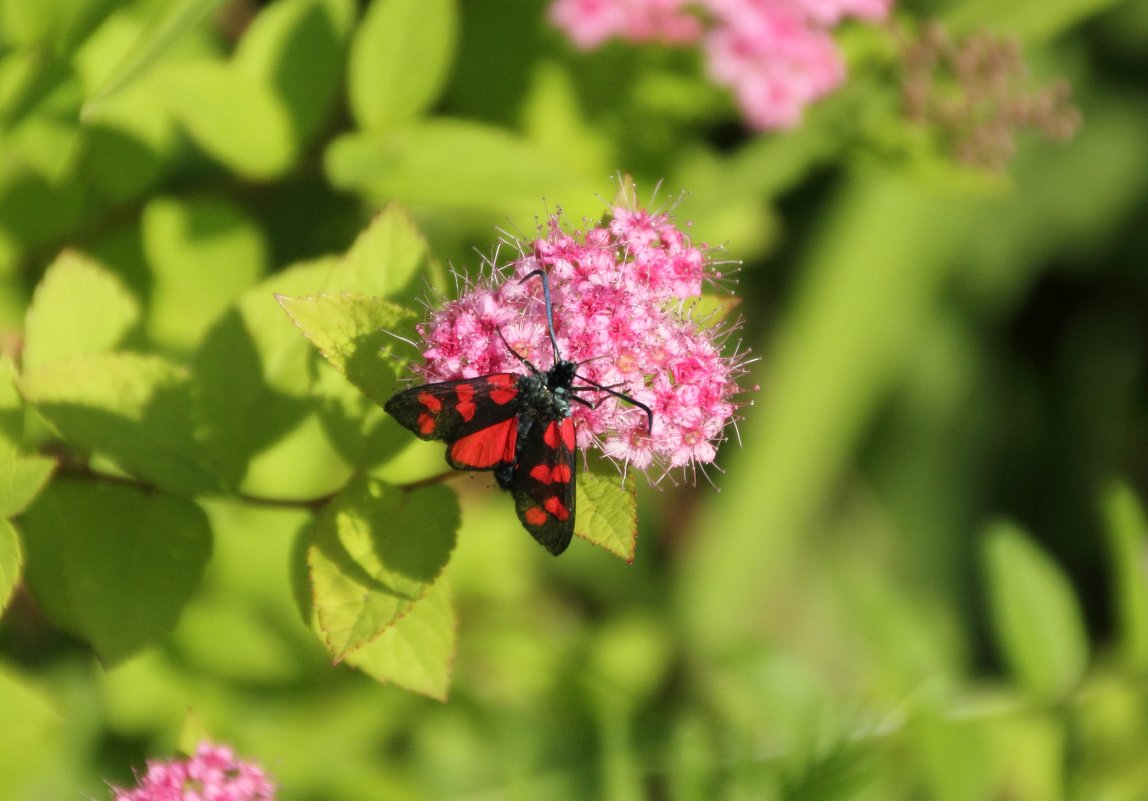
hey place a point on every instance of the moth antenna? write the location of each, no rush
(549, 309)
(592, 359)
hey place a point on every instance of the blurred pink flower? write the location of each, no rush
(831, 12)
(212, 774)
(773, 59)
(777, 56)
(619, 293)
(589, 23)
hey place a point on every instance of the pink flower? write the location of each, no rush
(831, 12)
(775, 61)
(618, 295)
(590, 23)
(777, 56)
(212, 774)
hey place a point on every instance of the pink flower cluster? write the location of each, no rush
(590, 23)
(777, 56)
(620, 297)
(212, 774)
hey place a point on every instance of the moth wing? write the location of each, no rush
(476, 417)
(543, 482)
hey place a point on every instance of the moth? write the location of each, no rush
(519, 426)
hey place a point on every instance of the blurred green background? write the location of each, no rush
(919, 573)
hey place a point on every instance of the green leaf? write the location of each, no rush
(45, 144)
(248, 628)
(203, 254)
(375, 552)
(296, 47)
(130, 140)
(351, 331)
(607, 512)
(554, 119)
(166, 27)
(417, 652)
(388, 258)
(1029, 20)
(236, 119)
(31, 740)
(58, 24)
(113, 564)
(78, 308)
(260, 387)
(255, 404)
(710, 310)
(21, 479)
(126, 152)
(628, 658)
(400, 60)
(1127, 529)
(11, 562)
(26, 23)
(1036, 619)
(955, 756)
(131, 408)
(418, 165)
(40, 212)
(11, 405)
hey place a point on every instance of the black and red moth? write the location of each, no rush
(517, 425)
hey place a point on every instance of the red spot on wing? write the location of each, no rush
(567, 430)
(534, 516)
(486, 448)
(554, 506)
(545, 474)
(426, 424)
(503, 388)
(465, 406)
(550, 435)
(559, 432)
(430, 402)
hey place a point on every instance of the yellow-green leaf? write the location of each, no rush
(375, 551)
(1036, 618)
(79, 308)
(400, 59)
(236, 119)
(131, 408)
(417, 652)
(1127, 529)
(165, 28)
(203, 252)
(114, 564)
(21, 479)
(607, 513)
(11, 562)
(352, 333)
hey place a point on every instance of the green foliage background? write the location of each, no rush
(923, 576)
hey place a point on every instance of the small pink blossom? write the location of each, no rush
(212, 774)
(776, 56)
(619, 295)
(831, 12)
(775, 62)
(590, 23)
